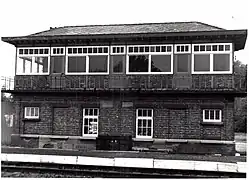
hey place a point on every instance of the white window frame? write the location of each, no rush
(212, 120)
(120, 53)
(31, 117)
(58, 54)
(87, 60)
(33, 59)
(211, 55)
(143, 117)
(149, 54)
(182, 52)
(90, 116)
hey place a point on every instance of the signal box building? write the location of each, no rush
(167, 85)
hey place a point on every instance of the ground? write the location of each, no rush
(241, 144)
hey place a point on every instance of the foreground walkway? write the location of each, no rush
(127, 159)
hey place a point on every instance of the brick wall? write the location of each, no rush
(174, 116)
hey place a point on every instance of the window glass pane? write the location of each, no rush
(169, 49)
(32, 111)
(202, 48)
(221, 62)
(28, 111)
(196, 48)
(214, 47)
(118, 63)
(27, 64)
(206, 114)
(139, 112)
(149, 123)
(139, 131)
(40, 65)
(19, 65)
(221, 47)
(144, 131)
(98, 63)
(139, 63)
(57, 63)
(149, 132)
(36, 111)
(139, 123)
(212, 114)
(91, 112)
(76, 64)
(160, 63)
(86, 112)
(217, 114)
(202, 62)
(144, 113)
(182, 62)
(95, 112)
(150, 113)
(208, 48)
(227, 47)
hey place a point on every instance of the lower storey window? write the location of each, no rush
(144, 123)
(90, 121)
(212, 115)
(31, 112)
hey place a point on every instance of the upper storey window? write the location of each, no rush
(87, 60)
(150, 59)
(32, 61)
(212, 58)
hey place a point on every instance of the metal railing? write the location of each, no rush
(131, 82)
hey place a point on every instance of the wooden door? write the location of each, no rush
(182, 71)
(57, 71)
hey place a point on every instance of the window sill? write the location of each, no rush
(212, 123)
(31, 119)
(142, 139)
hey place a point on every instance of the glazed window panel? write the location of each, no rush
(90, 121)
(76, 64)
(40, 65)
(118, 62)
(98, 64)
(57, 63)
(144, 123)
(221, 62)
(160, 63)
(202, 62)
(212, 115)
(31, 112)
(182, 62)
(138, 63)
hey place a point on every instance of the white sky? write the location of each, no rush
(24, 17)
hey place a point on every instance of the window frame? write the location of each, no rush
(33, 59)
(171, 53)
(90, 116)
(31, 117)
(212, 120)
(211, 57)
(143, 117)
(87, 60)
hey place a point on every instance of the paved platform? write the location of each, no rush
(127, 159)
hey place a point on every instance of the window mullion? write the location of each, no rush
(149, 68)
(212, 62)
(87, 64)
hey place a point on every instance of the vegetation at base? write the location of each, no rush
(240, 106)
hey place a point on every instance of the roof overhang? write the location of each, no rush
(238, 37)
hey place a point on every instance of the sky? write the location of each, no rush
(24, 17)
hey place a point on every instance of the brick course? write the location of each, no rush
(169, 120)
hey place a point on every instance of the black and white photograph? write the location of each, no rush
(124, 89)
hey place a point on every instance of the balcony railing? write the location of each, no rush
(131, 82)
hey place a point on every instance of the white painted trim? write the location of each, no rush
(61, 54)
(121, 53)
(239, 167)
(182, 52)
(54, 136)
(146, 118)
(212, 120)
(89, 116)
(31, 117)
(211, 54)
(32, 62)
